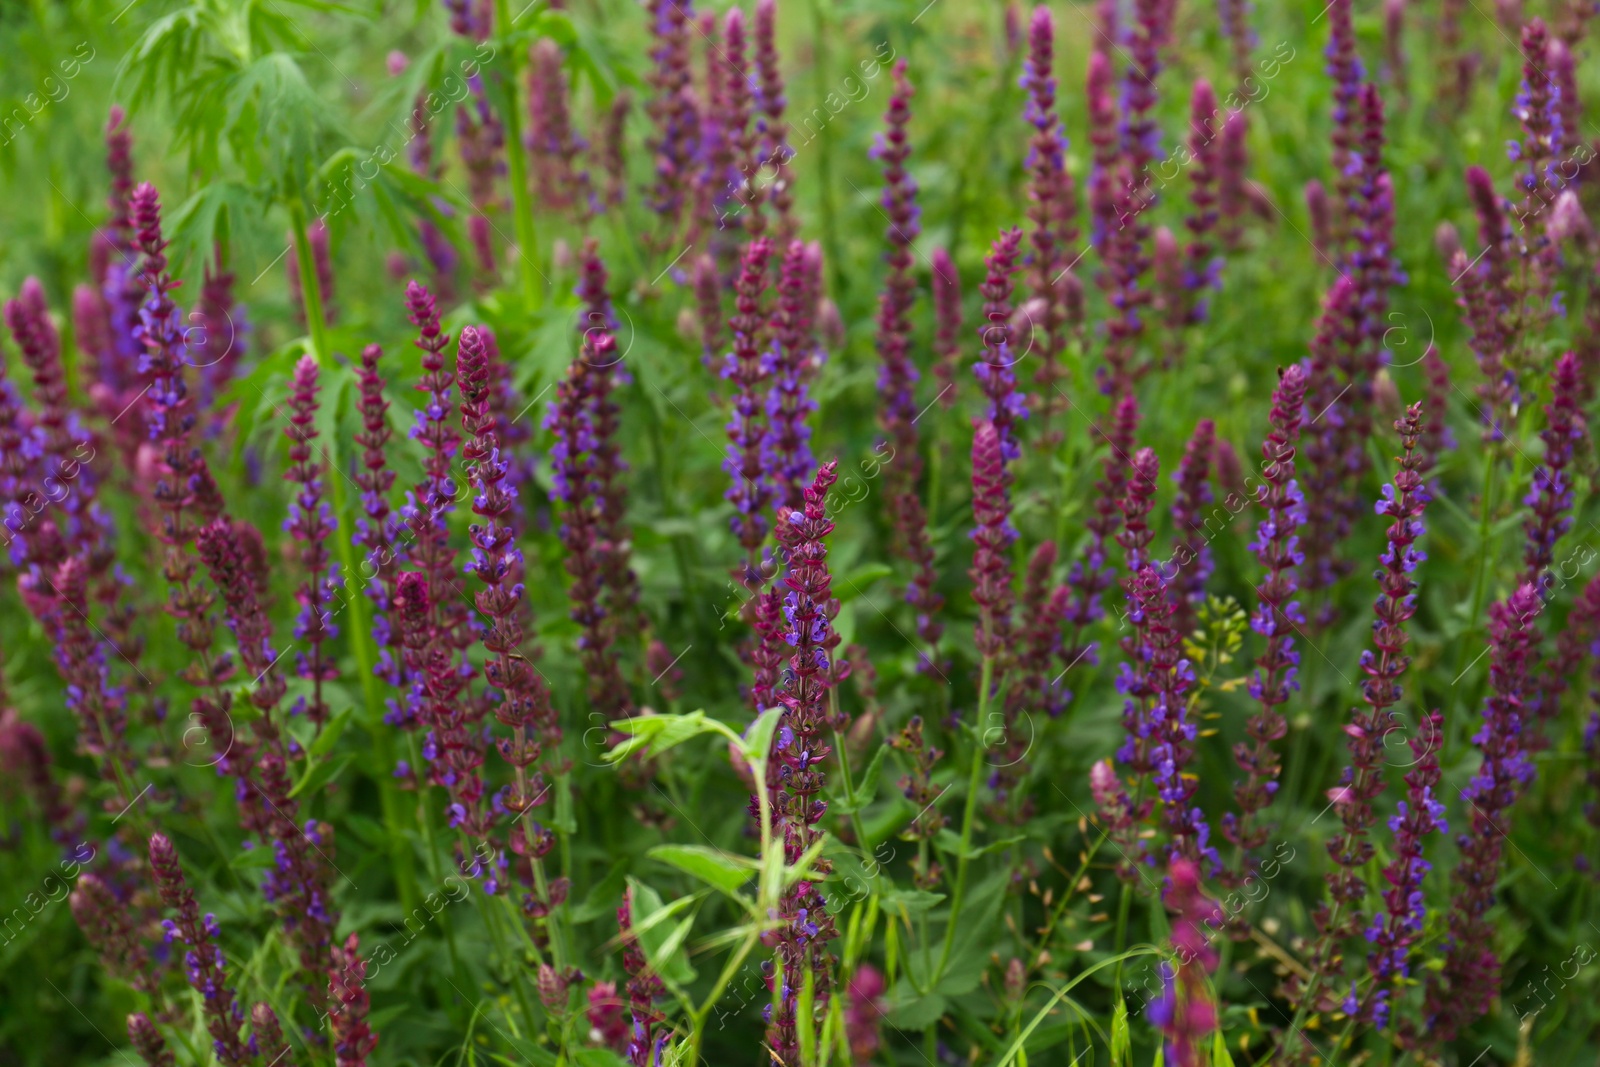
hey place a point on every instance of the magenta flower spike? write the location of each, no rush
(203, 962)
(799, 751)
(994, 369)
(1345, 68)
(148, 1042)
(1551, 496)
(897, 374)
(1470, 979)
(613, 150)
(112, 927)
(1185, 1014)
(947, 326)
(1205, 170)
(1234, 18)
(1035, 686)
(897, 377)
(610, 469)
(644, 987)
(788, 405)
(67, 447)
(770, 123)
(562, 185)
(1437, 437)
(81, 654)
(353, 1039)
(992, 585)
(379, 531)
(573, 473)
(524, 701)
(1384, 664)
(676, 137)
(1051, 208)
(737, 123)
(1235, 196)
(311, 523)
(746, 367)
(1277, 615)
(1191, 564)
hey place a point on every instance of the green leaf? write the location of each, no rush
(602, 899)
(654, 734)
(720, 870)
(253, 859)
(320, 774)
(1220, 1056)
(757, 742)
(1121, 1037)
(912, 901)
(918, 1014)
(331, 732)
(662, 946)
(866, 789)
(598, 1057)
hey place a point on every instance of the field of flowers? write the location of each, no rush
(588, 533)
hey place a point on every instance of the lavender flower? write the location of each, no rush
(1551, 497)
(202, 958)
(675, 140)
(1205, 170)
(994, 368)
(1185, 1013)
(1277, 547)
(379, 530)
(551, 142)
(109, 925)
(947, 317)
(1191, 564)
(1362, 782)
(1394, 932)
(770, 123)
(311, 522)
(524, 704)
(353, 1039)
(267, 1035)
(746, 366)
(897, 375)
(1345, 68)
(610, 485)
(788, 446)
(573, 462)
(993, 536)
(1462, 991)
(1051, 207)
(799, 753)
(737, 123)
(147, 1041)
(643, 989)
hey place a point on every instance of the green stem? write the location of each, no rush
(968, 817)
(1308, 995)
(517, 165)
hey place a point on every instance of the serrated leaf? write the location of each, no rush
(722, 871)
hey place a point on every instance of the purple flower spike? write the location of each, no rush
(747, 367)
(1403, 502)
(203, 961)
(1551, 497)
(995, 367)
(311, 522)
(947, 335)
(1191, 563)
(676, 137)
(1185, 1013)
(1051, 210)
(992, 586)
(1470, 980)
(800, 942)
(1277, 615)
(524, 702)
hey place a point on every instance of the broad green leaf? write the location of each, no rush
(720, 870)
(320, 774)
(918, 1014)
(654, 734)
(663, 946)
